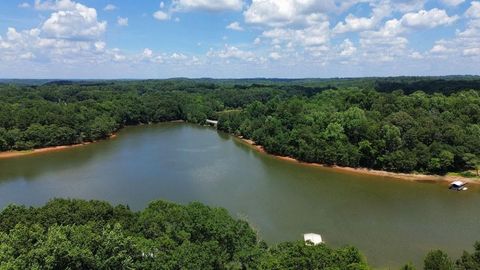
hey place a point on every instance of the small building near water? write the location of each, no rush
(312, 239)
(458, 185)
(212, 122)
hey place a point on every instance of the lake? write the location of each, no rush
(391, 221)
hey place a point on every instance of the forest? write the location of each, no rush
(404, 124)
(78, 234)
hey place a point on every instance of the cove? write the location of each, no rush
(391, 221)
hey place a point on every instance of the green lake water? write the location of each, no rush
(391, 221)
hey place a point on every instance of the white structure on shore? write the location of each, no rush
(312, 239)
(212, 122)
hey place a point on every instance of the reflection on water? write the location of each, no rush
(391, 221)
(32, 167)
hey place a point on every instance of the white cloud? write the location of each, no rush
(24, 5)
(119, 57)
(75, 22)
(472, 52)
(283, 12)
(55, 5)
(388, 34)
(230, 52)
(416, 55)
(474, 10)
(453, 2)
(109, 7)
(122, 21)
(439, 48)
(347, 48)
(100, 46)
(235, 26)
(407, 5)
(161, 16)
(428, 19)
(71, 34)
(27, 56)
(209, 5)
(29, 44)
(311, 36)
(354, 24)
(147, 53)
(275, 55)
(178, 56)
(385, 44)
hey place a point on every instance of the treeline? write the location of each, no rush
(65, 112)
(439, 260)
(76, 234)
(336, 122)
(33, 117)
(428, 86)
(365, 128)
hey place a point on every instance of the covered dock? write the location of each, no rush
(312, 239)
(212, 122)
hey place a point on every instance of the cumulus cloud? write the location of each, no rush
(390, 41)
(24, 5)
(194, 5)
(453, 2)
(474, 10)
(466, 42)
(416, 55)
(428, 19)
(354, 24)
(283, 12)
(385, 44)
(438, 49)
(297, 32)
(232, 52)
(275, 55)
(122, 21)
(161, 15)
(72, 21)
(471, 52)
(54, 5)
(347, 48)
(310, 36)
(235, 26)
(147, 53)
(71, 33)
(109, 7)
(407, 5)
(209, 5)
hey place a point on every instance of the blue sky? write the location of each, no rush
(238, 38)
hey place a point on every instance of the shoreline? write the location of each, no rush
(22, 153)
(363, 171)
(260, 149)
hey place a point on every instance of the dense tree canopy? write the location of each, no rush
(76, 234)
(348, 122)
(364, 128)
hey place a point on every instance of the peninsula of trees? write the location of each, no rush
(425, 125)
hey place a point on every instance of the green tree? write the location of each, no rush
(437, 260)
(472, 162)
